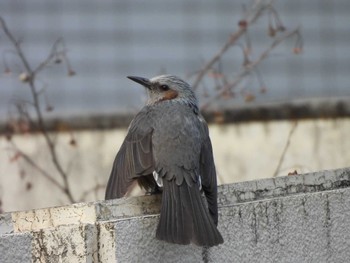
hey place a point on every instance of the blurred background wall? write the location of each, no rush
(108, 40)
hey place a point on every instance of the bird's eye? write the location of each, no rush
(164, 87)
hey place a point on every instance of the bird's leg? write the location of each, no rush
(154, 191)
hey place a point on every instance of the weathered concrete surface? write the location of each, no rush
(68, 243)
(303, 218)
(136, 243)
(6, 225)
(283, 186)
(302, 228)
(16, 248)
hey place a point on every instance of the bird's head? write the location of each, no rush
(167, 88)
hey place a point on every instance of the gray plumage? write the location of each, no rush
(169, 137)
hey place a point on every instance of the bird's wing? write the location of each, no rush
(134, 159)
(208, 172)
(177, 144)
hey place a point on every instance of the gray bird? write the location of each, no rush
(168, 147)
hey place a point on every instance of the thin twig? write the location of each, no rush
(93, 189)
(53, 53)
(230, 42)
(251, 66)
(295, 124)
(30, 161)
(17, 46)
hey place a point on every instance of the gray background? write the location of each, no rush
(108, 40)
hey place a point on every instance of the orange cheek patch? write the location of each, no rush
(170, 94)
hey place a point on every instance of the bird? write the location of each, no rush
(168, 150)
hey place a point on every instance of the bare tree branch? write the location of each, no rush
(252, 16)
(53, 53)
(295, 124)
(16, 44)
(30, 79)
(30, 161)
(251, 66)
(96, 188)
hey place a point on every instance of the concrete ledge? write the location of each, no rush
(283, 186)
(302, 218)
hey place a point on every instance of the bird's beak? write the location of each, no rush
(143, 81)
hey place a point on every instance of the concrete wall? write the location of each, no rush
(243, 151)
(302, 218)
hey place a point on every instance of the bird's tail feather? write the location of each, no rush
(184, 218)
